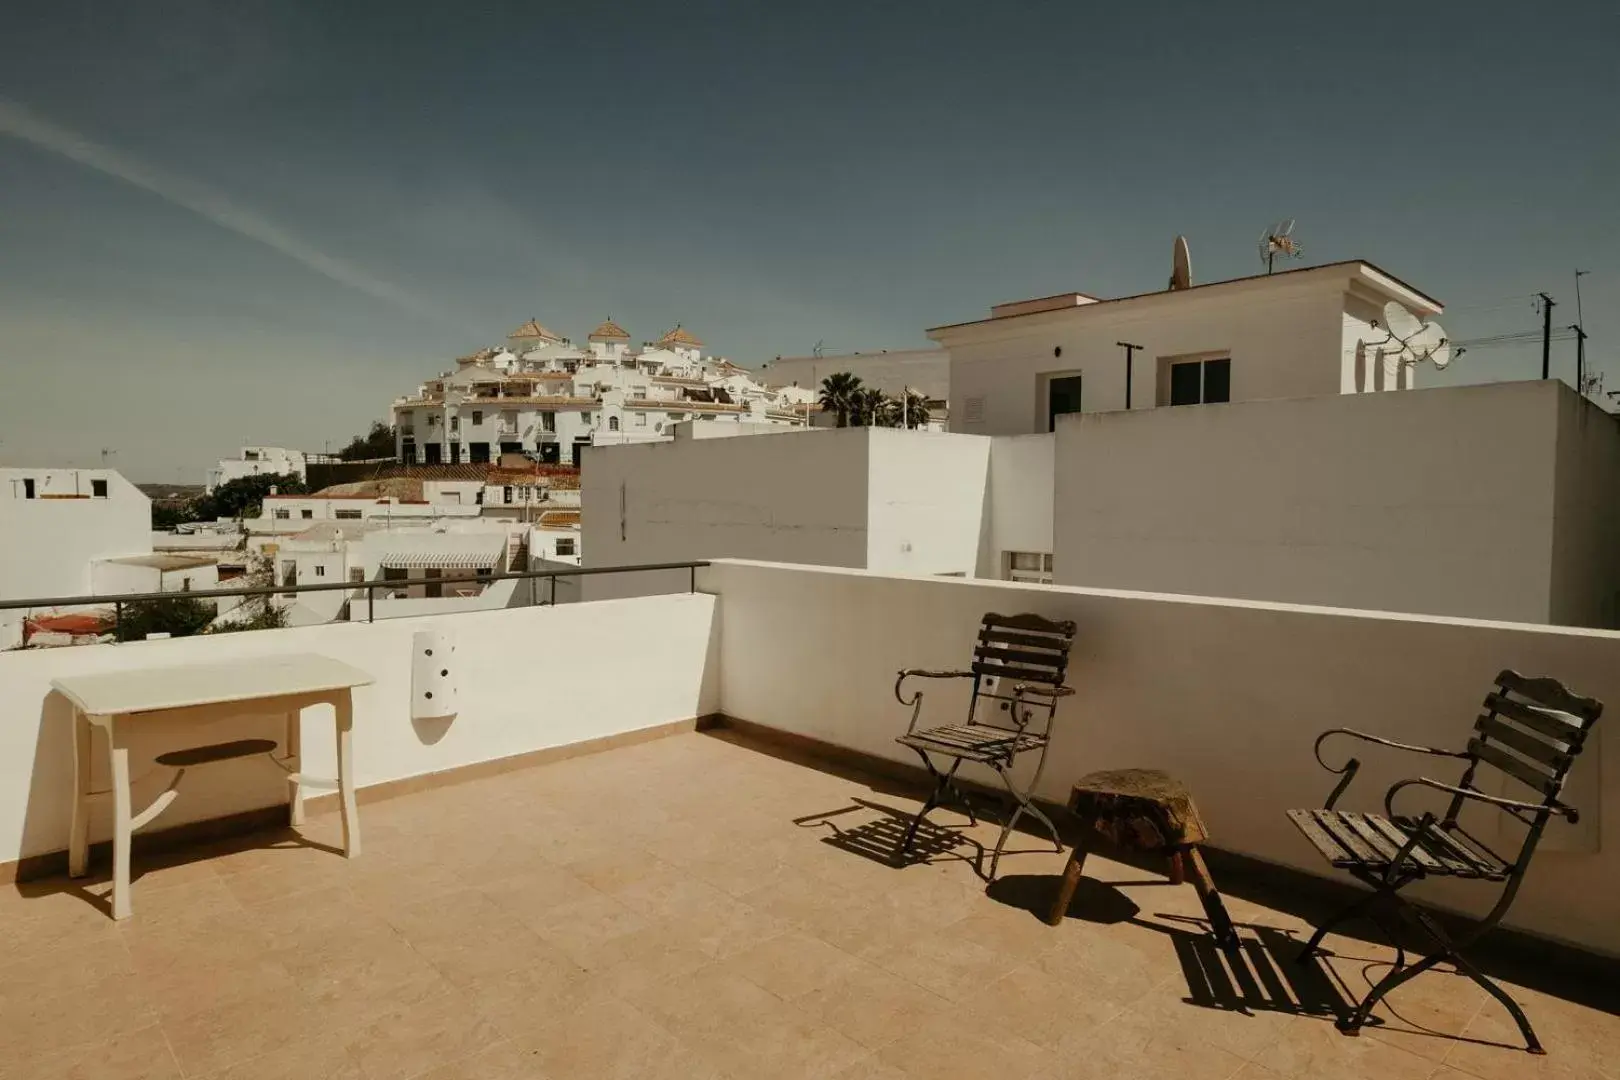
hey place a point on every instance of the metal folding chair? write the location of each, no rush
(1017, 672)
(1532, 729)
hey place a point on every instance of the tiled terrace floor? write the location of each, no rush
(658, 911)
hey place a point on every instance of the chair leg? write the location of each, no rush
(1071, 881)
(1352, 1025)
(1350, 911)
(1023, 804)
(944, 783)
(1453, 951)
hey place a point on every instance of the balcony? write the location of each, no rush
(569, 880)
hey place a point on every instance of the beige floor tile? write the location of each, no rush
(873, 1006)
(33, 1026)
(1039, 1008)
(69, 966)
(944, 1046)
(142, 1054)
(613, 1041)
(503, 1061)
(792, 964)
(220, 1036)
(523, 1002)
(951, 966)
(298, 1059)
(872, 1067)
(425, 1035)
(1315, 1048)
(1491, 1048)
(358, 979)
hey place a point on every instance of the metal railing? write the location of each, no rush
(117, 600)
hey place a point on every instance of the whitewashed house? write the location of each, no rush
(259, 461)
(547, 400)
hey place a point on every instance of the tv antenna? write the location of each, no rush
(816, 352)
(1278, 240)
(1180, 265)
(107, 453)
(1415, 341)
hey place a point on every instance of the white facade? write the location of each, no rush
(552, 401)
(1484, 501)
(1491, 501)
(282, 514)
(258, 461)
(1299, 333)
(54, 525)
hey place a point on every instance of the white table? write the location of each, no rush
(114, 701)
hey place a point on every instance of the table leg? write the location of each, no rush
(1071, 882)
(295, 760)
(118, 755)
(79, 830)
(344, 707)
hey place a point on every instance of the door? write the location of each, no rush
(1062, 397)
(550, 453)
(435, 453)
(455, 453)
(579, 448)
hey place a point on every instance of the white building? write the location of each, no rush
(55, 524)
(543, 398)
(258, 461)
(1295, 333)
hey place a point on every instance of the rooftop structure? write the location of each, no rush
(604, 892)
(1296, 333)
(259, 461)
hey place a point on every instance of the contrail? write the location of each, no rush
(20, 122)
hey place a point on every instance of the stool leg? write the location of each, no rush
(1219, 921)
(1071, 882)
(1178, 871)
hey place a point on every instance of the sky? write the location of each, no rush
(258, 223)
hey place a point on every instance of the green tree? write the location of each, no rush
(839, 392)
(166, 514)
(178, 616)
(376, 443)
(916, 411)
(873, 408)
(244, 496)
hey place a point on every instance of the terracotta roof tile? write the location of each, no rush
(609, 331)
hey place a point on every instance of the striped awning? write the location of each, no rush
(481, 556)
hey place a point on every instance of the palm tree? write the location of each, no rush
(874, 408)
(839, 393)
(916, 411)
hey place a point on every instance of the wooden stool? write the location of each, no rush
(1150, 811)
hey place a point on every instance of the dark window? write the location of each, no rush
(433, 589)
(347, 515)
(1062, 397)
(434, 453)
(506, 494)
(455, 453)
(306, 514)
(98, 489)
(478, 417)
(478, 453)
(1186, 383)
(28, 487)
(565, 546)
(1201, 382)
(1217, 381)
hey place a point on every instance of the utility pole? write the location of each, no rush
(1580, 359)
(1130, 365)
(1547, 304)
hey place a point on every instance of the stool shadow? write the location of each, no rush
(1094, 901)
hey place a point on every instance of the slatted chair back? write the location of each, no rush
(1019, 649)
(1532, 729)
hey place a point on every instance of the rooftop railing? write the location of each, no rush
(117, 601)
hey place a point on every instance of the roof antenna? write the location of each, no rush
(1278, 240)
(816, 352)
(1181, 265)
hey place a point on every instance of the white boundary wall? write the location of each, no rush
(1226, 694)
(513, 700)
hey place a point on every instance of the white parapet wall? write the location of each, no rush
(1228, 695)
(607, 669)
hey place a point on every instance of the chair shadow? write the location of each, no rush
(879, 839)
(1266, 974)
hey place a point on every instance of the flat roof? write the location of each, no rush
(1190, 289)
(164, 560)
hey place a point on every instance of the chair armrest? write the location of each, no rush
(1550, 807)
(1053, 692)
(924, 673)
(1348, 771)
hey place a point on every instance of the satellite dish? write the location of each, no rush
(1440, 355)
(1401, 324)
(1181, 265)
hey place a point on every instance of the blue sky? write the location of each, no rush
(228, 224)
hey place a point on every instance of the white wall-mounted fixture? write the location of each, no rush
(434, 675)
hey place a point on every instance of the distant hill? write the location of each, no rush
(171, 492)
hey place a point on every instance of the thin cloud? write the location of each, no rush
(22, 123)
